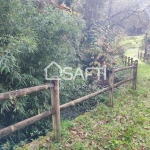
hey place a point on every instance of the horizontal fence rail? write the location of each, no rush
(25, 91)
(24, 123)
(124, 81)
(124, 68)
(79, 100)
(55, 100)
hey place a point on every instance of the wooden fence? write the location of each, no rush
(55, 100)
(143, 56)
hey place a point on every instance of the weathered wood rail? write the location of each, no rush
(55, 100)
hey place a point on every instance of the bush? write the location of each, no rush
(30, 40)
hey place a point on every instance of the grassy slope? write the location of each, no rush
(124, 127)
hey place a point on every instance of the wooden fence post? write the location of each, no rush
(135, 74)
(111, 84)
(125, 60)
(131, 61)
(128, 61)
(131, 65)
(146, 37)
(56, 106)
(122, 57)
(144, 57)
(141, 55)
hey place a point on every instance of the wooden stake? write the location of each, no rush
(56, 106)
(135, 74)
(131, 65)
(141, 55)
(146, 37)
(144, 57)
(111, 84)
(123, 60)
(128, 61)
(131, 61)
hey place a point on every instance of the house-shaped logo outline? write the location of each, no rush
(46, 71)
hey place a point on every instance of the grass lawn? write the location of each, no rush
(126, 126)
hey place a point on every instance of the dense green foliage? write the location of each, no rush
(30, 39)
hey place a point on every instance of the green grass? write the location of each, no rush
(132, 42)
(126, 126)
